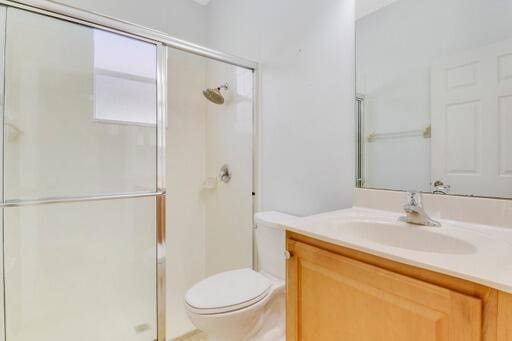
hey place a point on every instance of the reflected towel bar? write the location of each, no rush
(425, 133)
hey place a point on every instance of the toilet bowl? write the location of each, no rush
(244, 304)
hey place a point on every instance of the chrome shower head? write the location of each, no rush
(215, 95)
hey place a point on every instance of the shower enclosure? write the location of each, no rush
(82, 186)
(86, 105)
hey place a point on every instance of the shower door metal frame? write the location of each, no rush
(162, 41)
(93, 19)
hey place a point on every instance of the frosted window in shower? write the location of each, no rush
(124, 79)
(58, 73)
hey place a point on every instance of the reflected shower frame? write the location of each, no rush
(162, 41)
(359, 140)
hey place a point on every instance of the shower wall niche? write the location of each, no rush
(209, 222)
(80, 193)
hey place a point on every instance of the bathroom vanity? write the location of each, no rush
(433, 114)
(359, 274)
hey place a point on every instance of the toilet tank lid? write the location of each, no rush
(272, 218)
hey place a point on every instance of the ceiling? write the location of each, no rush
(363, 7)
(202, 2)
(366, 7)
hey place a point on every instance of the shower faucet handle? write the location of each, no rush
(225, 174)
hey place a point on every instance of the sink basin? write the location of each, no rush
(408, 237)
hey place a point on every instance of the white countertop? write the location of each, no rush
(484, 256)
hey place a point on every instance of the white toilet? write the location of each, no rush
(244, 304)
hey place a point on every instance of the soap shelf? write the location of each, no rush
(14, 133)
(210, 183)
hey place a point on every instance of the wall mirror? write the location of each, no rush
(434, 97)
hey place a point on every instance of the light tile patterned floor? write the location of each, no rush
(195, 335)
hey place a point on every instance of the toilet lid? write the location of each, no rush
(227, 291)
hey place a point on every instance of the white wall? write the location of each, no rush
(183, 19)
(307, 96)
(396, 47)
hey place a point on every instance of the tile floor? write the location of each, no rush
(196, 335)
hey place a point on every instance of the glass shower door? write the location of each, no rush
(79, 182)
(81, 271)
(80, 110)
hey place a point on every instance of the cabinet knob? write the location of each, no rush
(288, 254)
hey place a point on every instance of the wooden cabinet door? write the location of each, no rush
(331, 297)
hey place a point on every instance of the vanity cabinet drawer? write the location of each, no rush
(333, 297)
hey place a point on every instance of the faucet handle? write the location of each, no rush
(415, 212)
(414, 198)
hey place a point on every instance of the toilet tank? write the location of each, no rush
(270, 242)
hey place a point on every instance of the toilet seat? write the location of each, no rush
(227, 291)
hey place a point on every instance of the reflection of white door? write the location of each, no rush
(472, 121)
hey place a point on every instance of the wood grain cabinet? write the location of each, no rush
(334, 293)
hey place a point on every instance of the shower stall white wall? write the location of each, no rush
(209, 230)
(229, 140)
(186, 171)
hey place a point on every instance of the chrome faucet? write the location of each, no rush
(415, 213)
